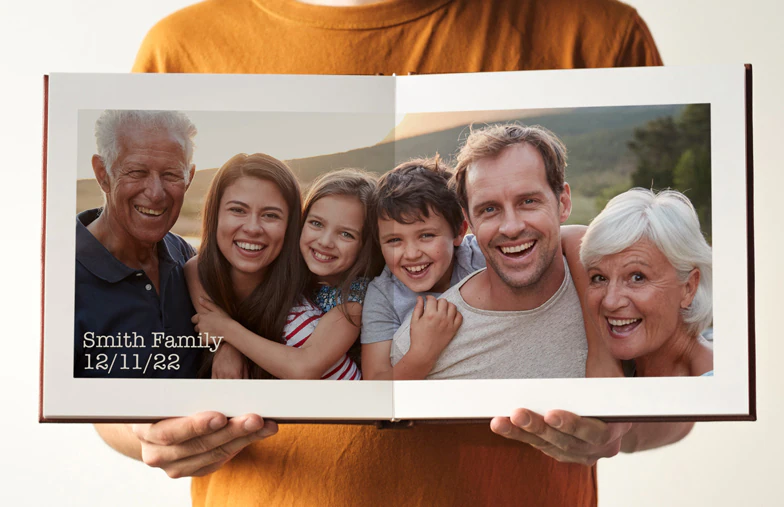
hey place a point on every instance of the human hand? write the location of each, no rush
(228, 362)
(211, 319)
(200, 444)
(563, 435)
(433, 325)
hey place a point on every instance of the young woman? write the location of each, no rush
(254, 235)
(248, 269)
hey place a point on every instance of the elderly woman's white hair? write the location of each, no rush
(113, 122)
(667, 220)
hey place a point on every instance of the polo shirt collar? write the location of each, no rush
(91, 254)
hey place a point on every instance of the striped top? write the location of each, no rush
(300, 324)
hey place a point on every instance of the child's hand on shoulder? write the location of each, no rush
(433, 325)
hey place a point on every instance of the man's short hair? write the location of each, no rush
(493, 139)
(413, 190)
(112, 123)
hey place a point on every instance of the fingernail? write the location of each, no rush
(525, 419)
(216, 423)
(556, 422)
(270, 428)
(251, 425)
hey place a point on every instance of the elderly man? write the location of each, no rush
(131, 295)
(521, 315)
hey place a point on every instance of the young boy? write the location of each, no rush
(422, 235)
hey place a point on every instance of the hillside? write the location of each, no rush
(596, 139)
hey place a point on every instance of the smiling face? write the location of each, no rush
(332, 236)
(635, 299)
(420, 254)
(145, 192)
(516, 216)
(251, 226)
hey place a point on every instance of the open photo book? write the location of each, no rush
(385, 249)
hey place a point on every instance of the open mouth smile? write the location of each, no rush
(622, 327)
(322, 257)
(149, 211)
(250, 247)
(418, 270)
(517, 250)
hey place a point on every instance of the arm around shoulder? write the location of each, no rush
(600, 362)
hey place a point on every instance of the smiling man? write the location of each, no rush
(521, 315)
(129, 277)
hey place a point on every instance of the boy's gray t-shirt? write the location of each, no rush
(389, 302)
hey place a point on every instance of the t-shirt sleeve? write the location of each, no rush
(477, 257)
(379, 320)
(150, 57)
(638, 48)
(300, 323)
(164, 48)
(187, 249)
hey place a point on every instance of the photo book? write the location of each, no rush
(388, 249)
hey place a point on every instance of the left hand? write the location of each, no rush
(211, 318)
(563, 435)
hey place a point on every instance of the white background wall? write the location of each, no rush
(719, 464)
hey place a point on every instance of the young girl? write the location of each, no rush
(338, 248)
(334, 245)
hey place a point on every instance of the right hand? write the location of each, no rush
(200, 444)
(433, 325)
(229, 363)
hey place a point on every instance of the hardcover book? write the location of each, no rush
(399, 248)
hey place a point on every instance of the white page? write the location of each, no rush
(75, 100)
(723, 87)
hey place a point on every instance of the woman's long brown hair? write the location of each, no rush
(264, 312)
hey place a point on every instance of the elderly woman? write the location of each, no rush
(650, 283)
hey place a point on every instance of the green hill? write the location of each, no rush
(596, 139)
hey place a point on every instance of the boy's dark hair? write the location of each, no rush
(412, 190)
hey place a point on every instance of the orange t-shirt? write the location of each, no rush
(429, 464)
(401, 36)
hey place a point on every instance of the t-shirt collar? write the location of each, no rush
(378, 15)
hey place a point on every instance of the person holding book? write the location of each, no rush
(129, 278)
(651, 282)
(335, 244)
(469, 464)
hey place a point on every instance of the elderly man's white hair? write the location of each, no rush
(667, 220)
(114, 122)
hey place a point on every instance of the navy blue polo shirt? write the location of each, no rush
(122, 327)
